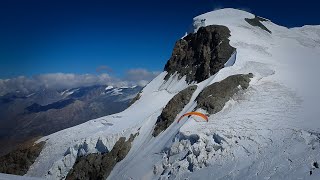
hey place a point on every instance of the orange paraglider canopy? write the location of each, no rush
(194, 113)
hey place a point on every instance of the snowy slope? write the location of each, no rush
(269, 131)
(266, 132)
(14, 177)
(62, 147)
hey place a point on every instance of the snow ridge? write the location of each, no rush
(269, 131)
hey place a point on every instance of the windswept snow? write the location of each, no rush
(174, 84)
(109, 87)
(14, 177)
(269, 131)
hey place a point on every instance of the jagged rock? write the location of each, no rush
(256, 21)
(174, 106)
(18, 161)
(99, 166)
(201, 54)
(213, 97)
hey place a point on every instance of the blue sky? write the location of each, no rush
(39, 37)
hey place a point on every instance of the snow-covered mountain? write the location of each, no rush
(256, 80)
(43, 112)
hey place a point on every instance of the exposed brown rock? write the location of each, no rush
(200, 55)
(174, 106)
(18, 161)
(213, 97)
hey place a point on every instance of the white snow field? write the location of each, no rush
(269, 131)
(14, 177)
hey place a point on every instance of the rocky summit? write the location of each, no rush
(200, 55)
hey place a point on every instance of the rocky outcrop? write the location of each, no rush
(174, 106)
(18, 161)
(201, 54)
(214, 97)
(99, 166)
(256, 21)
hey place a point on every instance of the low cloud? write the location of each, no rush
(140, 76)
(61, 81)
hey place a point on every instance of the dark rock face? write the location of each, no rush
(99, 166)
(201, 54)
(213, 97)
(256, 21)
(174, 106)
(18, 161)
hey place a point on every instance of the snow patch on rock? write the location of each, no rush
(174, 84)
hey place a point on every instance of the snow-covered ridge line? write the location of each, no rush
(272, 105)
(261, 133)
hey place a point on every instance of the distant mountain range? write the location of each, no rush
(25, 116)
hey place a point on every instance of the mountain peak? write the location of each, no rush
(257, 89)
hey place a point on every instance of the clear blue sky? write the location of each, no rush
(48, 36)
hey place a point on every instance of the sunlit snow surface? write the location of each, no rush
(269, 131)
(15, 177)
